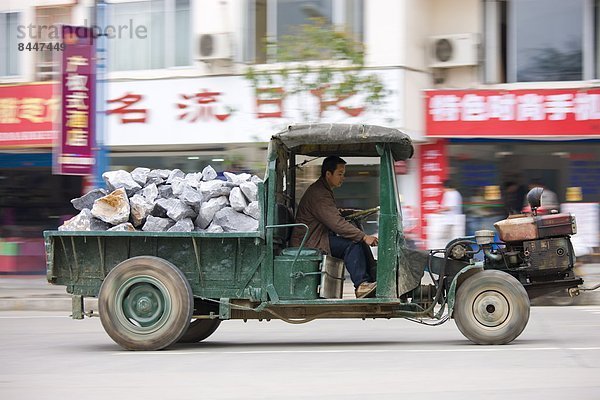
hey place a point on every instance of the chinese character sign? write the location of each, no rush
(27, 114)
(433, 171)
(502, 113)
(74, 154)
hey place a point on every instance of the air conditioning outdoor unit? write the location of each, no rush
(456, 50)
(214, 46)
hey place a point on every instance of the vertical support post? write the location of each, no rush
(387, 265)
(101, 69)
(77, 306)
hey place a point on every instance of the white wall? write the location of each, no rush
(384, 33)
(452, 17)
(27, 10)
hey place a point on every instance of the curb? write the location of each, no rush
(44, 304)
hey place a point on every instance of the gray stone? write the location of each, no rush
(208, 209)
(237, 179)
(191, 197)
(140, 209)
(208, 173)
(233, 221)
(214, 228)
(99, 225)
(253, 210)
(176, 173)
(121, 179)
(165, 191)
(162, 173)
(178, 184)
(150, 192)
(185, 225)
(80, 222)
(175, 209)
(250, 190)
(158, 176)
(237, 200)
(124, 227)
(113, 208)
(87, 200)
(157, 224)
(255, 179)
(214, 188)
(140, 175)
(193, 179)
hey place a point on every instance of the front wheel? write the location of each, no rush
(145, 303)
(492, 307)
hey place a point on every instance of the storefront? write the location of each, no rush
(493, 143)
(32, 199)
(224, 121)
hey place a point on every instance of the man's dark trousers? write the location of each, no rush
(354, 257)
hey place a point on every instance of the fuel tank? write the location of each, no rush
(518, 228)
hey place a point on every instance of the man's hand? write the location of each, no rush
(371, 240)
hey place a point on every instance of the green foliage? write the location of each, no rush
(317, 56)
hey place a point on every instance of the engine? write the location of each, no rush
(536, 249)
(539, 244)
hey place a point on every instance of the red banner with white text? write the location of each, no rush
(532, 113)
(433, 171)
(27, 115)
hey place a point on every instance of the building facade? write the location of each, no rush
(466, 79)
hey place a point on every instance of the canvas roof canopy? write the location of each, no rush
(344, 140)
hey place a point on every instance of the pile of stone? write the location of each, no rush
(162, 200)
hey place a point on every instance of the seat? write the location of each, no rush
(283, 215)
(306, 252)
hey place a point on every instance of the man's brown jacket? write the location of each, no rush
(318, 210)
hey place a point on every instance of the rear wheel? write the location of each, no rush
(145, 303)
(491, 307)
(199, 330)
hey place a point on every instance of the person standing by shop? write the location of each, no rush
(451, 200)
(451, 221)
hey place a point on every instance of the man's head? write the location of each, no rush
(447, 184)
(333, 170)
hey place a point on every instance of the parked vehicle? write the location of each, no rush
(158, 288)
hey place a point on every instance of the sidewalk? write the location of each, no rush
(34, 293)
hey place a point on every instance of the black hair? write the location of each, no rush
(330, 164)
(447, 183)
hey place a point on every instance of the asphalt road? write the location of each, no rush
(45, 355)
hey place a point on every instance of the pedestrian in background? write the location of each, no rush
(512, 197)
(451, 200)
(450, 221)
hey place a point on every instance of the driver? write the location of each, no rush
(330, 232)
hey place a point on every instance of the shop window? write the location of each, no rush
(48, 20)
(162, 42)
(9, 54)
(538, 40)
(272, 19)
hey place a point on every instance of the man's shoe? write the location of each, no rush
(365, 289)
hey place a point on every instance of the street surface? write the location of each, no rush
(46, 355)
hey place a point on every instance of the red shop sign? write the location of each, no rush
(74, 154)
(27, 115)
(513, 113)
(433, 170)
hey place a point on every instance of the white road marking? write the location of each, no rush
(33, 316)
(354, 351)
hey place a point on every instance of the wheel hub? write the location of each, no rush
(143, 304)
(491, 308)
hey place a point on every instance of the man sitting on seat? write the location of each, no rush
(329, 231)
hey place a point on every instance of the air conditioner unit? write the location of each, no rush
(214, 46)
(453, 50)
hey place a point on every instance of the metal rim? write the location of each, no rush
(491, 309)
(143, 304)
